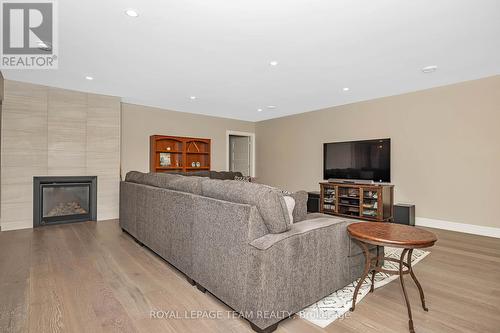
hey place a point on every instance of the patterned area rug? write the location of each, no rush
(337, 304)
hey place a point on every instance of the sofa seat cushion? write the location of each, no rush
(269, 202)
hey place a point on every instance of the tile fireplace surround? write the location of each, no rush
(55, 132)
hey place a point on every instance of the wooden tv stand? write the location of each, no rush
(372, 202)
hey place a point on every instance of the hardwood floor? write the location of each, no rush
(91, 277)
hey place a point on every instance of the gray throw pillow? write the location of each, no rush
(300, 197)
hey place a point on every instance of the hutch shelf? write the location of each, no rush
(178, 154)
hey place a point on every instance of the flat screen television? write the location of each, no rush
(363, 160)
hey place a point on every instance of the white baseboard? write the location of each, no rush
(460, 227)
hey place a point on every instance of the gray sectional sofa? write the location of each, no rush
(235, 240)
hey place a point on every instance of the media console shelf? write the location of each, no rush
(372, 202)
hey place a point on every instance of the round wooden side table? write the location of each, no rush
(393, 235)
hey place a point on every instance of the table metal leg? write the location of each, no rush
(401, 264)
(365, 274)
(374, 271)
(420, 290)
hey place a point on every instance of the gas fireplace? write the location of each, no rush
(64, 199)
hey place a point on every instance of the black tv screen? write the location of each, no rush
(365, 160)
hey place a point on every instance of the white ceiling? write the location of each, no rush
(219, 51)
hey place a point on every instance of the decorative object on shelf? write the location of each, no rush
(370, 195)
(371, 213)
(353, 193)
(370, 205)
(193, 164)
(165, 159)
(198, 164)
(168, 148)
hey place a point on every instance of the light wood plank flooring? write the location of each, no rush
(91, 277)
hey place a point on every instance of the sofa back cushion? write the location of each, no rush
(186, 184)
(209, 174)
(201, 173)
(135, 177)
(159, 179)
(229, 175)
(167, 180)
(269, 202)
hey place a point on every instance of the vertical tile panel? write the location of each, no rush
(24, 150)
(103, 151)
(67, 131)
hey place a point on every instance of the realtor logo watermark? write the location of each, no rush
(29, 34)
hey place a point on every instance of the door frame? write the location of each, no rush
(252, 152)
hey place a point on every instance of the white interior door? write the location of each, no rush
(239, 154)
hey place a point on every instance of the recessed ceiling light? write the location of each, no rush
(271, 106)
(429, 69)
(259, 110)
(346, 89)
(273, 63)
(192, 98)
(90, 78)
(131, 12)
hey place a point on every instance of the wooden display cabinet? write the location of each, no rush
(372, 202)
(177, 153)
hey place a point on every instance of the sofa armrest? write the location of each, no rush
(312, 225)
(293, 269)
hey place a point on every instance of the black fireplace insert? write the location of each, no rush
(64, 199)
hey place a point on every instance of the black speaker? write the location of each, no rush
(404, 214)
(313, 202)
